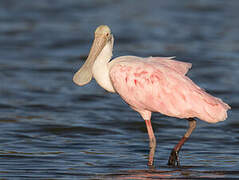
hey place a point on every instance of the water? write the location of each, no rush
(51, 128)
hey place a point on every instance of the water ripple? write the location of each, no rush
(53, 129)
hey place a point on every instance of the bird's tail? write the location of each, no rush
(215, 110)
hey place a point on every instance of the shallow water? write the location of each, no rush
(51, 128)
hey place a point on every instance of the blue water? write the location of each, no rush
(51, 128)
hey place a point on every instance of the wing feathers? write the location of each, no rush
(181, 67)
(159, 87)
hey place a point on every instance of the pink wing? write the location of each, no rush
(158, 87)
(181, 67)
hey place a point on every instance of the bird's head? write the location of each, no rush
(102, 37)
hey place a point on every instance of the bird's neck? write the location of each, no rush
(100, 68)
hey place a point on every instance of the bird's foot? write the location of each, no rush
(151, 167)
(151, 156)
(152, 146)
(150, 163)
(174, 159)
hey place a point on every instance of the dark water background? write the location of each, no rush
(51, 128)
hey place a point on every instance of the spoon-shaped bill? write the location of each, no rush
(84, 74)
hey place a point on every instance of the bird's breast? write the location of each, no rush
(102, 77)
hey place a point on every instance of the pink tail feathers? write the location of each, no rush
(215, 111)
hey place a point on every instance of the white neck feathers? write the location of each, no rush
(100, 68)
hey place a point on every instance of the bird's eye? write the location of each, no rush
(107, 34)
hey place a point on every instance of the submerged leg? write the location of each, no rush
(174, 158)
(152, 142)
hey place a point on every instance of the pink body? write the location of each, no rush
(158, 84)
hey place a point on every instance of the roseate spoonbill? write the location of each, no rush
(152, 84)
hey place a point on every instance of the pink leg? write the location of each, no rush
(173, 159)
(152, 142)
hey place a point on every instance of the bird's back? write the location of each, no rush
(160, 85)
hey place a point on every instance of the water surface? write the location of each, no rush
(51, 128)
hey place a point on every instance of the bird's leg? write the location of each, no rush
(152, 142)
(174, 157)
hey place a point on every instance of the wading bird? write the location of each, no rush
(153, 84)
